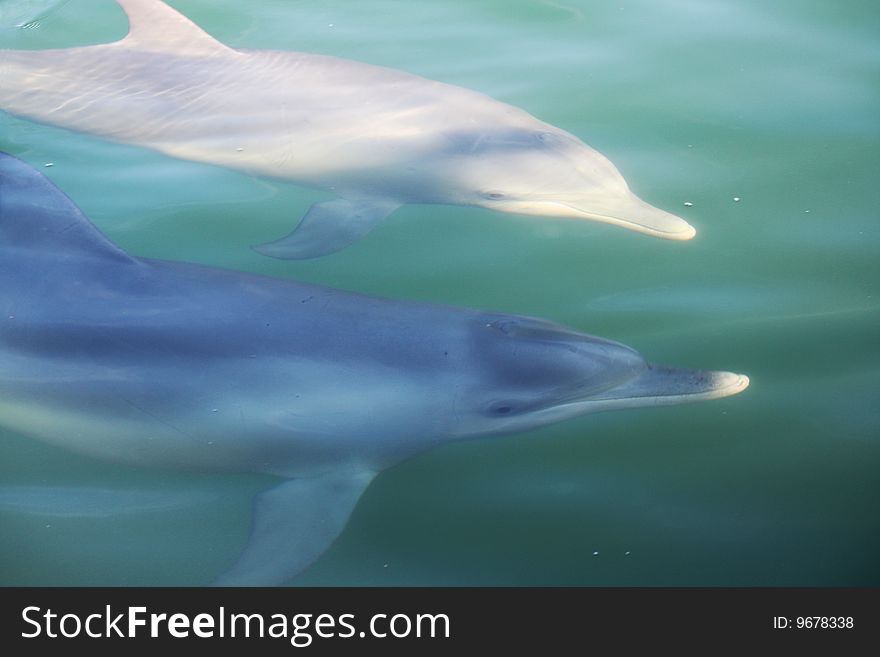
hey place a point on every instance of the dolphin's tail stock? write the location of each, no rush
(293, 524)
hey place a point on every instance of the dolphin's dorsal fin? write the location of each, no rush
(36, 215)
(293, 524)
(155, 26)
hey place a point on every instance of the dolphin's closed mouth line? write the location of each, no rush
(681, 235)
(656, 400)
(740, 383)
(737, 384)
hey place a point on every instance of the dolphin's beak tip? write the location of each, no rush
(662, 223)
(659, 223)
(684, 233)
(731, 383)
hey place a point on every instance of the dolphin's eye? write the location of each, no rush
(494, 196)
(501, 408)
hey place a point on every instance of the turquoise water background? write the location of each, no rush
(697, 101)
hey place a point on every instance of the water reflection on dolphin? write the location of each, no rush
(175, 365)
(18, 14)
(375, 137)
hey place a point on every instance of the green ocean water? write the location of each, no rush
(695, 101)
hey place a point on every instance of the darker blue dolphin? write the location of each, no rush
(174, 365)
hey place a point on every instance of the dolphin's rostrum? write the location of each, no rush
(375, 137)
(175, 365)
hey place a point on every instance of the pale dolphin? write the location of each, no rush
(375, 137)
(175, 365)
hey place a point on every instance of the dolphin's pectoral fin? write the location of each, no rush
(293, 524)
(328, 227)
